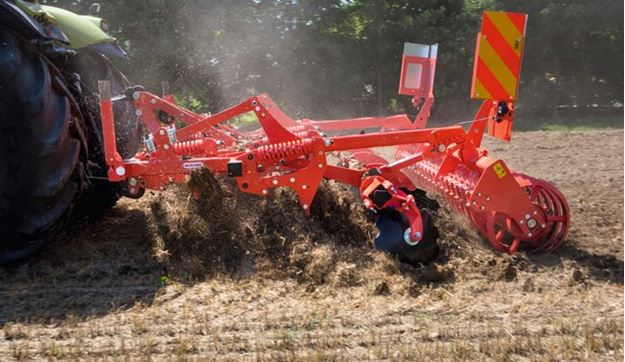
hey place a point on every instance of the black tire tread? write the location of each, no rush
(40, 151)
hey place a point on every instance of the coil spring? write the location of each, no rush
(302, 134)
(194, 147)
(279, 151)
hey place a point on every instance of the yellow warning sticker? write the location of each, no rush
(499, 170)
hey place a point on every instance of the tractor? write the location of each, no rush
(51, 145)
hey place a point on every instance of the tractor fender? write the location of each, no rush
(81, 30)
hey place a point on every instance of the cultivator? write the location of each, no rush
(511, 210)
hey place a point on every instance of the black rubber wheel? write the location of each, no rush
(427, 249)
(392, 226)
(42, 150)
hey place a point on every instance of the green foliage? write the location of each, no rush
(190, 102)
(163, 280)
(246, 120)
(334, 58)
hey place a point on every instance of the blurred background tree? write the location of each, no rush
(334, 58)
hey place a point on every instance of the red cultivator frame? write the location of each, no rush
(511, 210)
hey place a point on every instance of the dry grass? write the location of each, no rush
(164, 278)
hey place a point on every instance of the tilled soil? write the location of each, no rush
(232, 276)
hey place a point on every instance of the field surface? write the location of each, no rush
(235, 277)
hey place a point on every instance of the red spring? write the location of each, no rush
(298, 134)
(199, 147)
(283, 151)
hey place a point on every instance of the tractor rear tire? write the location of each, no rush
(42, 150)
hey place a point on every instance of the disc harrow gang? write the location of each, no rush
(511, 210)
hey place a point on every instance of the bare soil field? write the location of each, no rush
(235, 277)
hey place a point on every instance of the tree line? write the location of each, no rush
(335, 58)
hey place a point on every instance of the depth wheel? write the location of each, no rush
(392, 226)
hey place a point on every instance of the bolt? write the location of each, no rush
(133, 190)
(479, 194)
(120, 171)
(407, 235)
(171, 179)
(152, 101)
(166, 146)
(417, 235)
(257, 109)
(441, 148)
(535, 212)
(250, 156)
(320, 165)
(275, 182)
(407, 238)
(132, 182)
(527, 216)
(264, 192)
(521, 222)
(320, 153)
(531, 223)
(254, 103)
(327, 141)
(305, 206)
(304, 187)
(529, 234)
(161, 132)
(487, 198)
(292, 179)
(263, 114)
(138, 112)
(135, 95)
